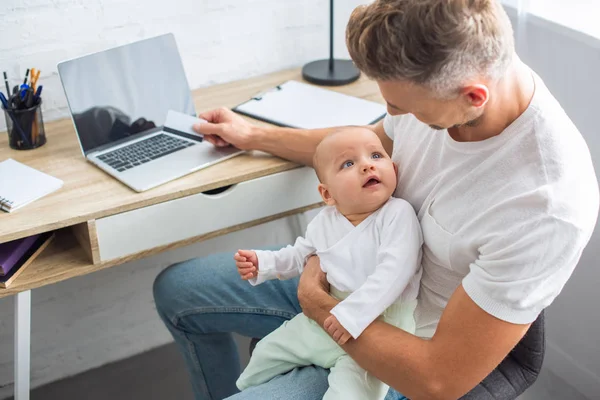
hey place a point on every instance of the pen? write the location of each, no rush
(6, 83)
(26, 75)
(15, 99)
(4, 102)
(38, 93)
(12, 117)
(29, 98)
(24, 88)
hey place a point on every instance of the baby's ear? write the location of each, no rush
(326, 195)
(395, 169)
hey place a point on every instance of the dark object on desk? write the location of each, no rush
(23, 113)
(330, 72)
(27, 258)
(25, 125)
(515, 374)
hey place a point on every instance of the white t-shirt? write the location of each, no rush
(379, 260)
(508, 217)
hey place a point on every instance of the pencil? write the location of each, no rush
(26, 75)
(6, 83)
(34, 78)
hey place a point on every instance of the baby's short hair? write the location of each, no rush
(317, 160)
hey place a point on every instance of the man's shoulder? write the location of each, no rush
(552, 127)
(568, 177)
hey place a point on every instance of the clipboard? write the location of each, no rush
(295, 104)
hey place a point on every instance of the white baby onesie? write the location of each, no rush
(379, 260)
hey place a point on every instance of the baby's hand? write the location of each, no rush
(247, 264)
(336, 330)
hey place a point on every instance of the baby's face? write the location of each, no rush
(357, 174)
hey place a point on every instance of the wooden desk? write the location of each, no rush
(89, 195)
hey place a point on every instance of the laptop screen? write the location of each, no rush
(126, 90)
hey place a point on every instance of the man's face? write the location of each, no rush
(407, 98)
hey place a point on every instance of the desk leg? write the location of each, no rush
(22, 344)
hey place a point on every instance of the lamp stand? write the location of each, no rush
(330, 72)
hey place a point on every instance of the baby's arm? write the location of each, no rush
(398, 260)
(287, 262)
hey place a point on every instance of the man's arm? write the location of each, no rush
(468, 344)
(225, 127)
(299, 144)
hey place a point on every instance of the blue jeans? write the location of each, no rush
(203, 301)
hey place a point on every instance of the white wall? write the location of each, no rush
(219, 40)
(569, 63)
(89, 321)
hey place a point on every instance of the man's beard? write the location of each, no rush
(471, 123)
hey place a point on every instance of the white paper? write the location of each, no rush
(300, 105)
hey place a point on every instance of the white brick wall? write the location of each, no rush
(89, 321)
(219, 40)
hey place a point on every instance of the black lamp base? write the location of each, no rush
(342, 73)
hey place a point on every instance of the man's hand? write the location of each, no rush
(313, 292)
(247, 263)
(224, 128)
(336, 330)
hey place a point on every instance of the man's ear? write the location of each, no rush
(477, 95)
(325, 195)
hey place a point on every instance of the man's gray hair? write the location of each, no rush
(439, 44)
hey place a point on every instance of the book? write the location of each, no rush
(300, 105)
(40, 243)
(21, 184)
(11, 252)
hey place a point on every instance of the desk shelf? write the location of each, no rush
(65, 257)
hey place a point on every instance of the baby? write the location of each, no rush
(369, 245)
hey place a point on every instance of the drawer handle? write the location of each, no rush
(218, 190)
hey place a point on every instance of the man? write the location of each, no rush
(501, 180)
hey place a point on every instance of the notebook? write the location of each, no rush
(11, 252)
(40, 243)
(20, 185)
(299, 105)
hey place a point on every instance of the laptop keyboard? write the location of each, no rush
(141, 152)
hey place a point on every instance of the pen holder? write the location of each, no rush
(25, 128)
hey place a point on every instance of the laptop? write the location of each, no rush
(119, 101)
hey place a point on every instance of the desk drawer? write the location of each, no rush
(172, 221)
